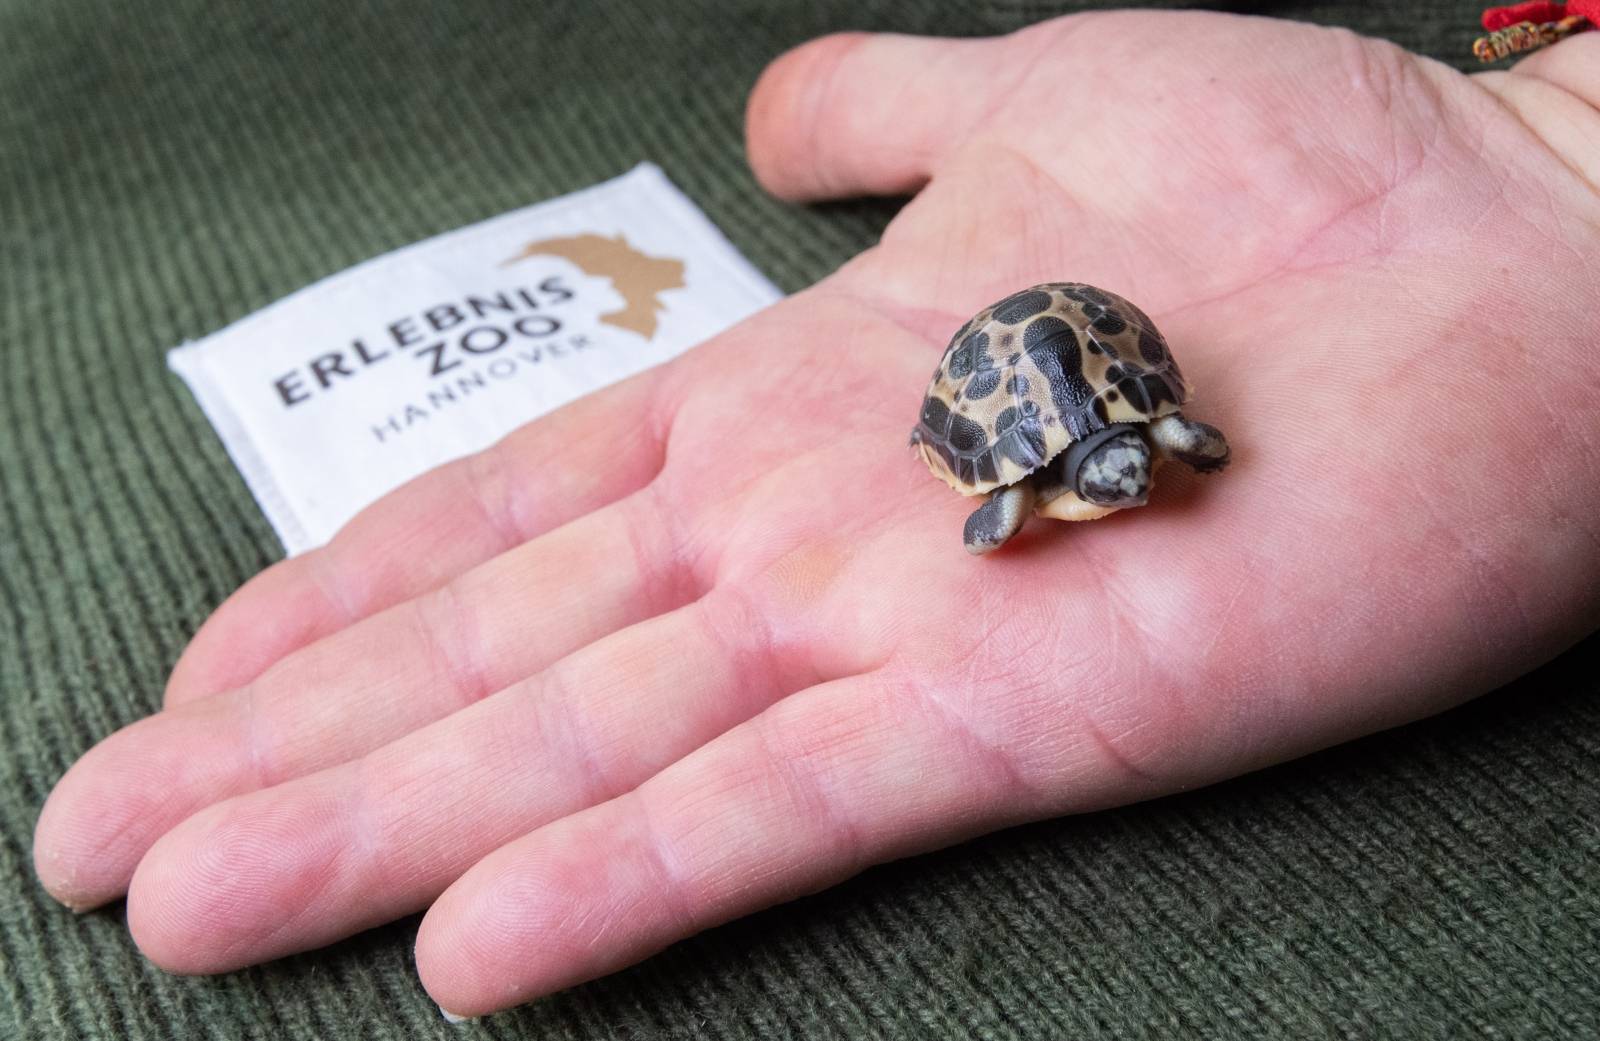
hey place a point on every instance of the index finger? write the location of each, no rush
(432, 529)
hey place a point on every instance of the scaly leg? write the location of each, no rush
(998, 519)
(1198, 445)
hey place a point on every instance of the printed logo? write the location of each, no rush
(508, 326)
(362, 380)
(639, 279)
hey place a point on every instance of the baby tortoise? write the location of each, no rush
(1059, 400)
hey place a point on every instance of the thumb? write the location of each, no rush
(871, 113)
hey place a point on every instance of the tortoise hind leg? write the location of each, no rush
(998, 519)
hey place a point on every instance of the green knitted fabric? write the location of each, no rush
(167, 167)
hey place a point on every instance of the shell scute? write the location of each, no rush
(1088, 359)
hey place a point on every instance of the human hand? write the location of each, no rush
(709, 639)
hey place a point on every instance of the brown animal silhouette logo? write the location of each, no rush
(639, 278)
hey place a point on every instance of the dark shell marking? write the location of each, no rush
(1089, 358)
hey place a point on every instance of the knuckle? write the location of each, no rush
(494, 488)
(446, 625)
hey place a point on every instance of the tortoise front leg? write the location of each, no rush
(1000, 518)
(1198, 445)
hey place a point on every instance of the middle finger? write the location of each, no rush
(358, 689)
(304, 863)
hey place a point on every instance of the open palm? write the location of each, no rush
(709, 639)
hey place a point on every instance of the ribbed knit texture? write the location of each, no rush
(167, 167)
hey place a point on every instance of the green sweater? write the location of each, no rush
(167, 167)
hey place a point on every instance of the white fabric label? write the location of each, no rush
(336, 394)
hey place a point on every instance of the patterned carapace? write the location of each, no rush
(1029, 375)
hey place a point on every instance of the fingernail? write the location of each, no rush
(451, 1017)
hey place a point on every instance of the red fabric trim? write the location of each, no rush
(1537, 11)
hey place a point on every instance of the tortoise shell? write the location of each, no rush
(1029, 375)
